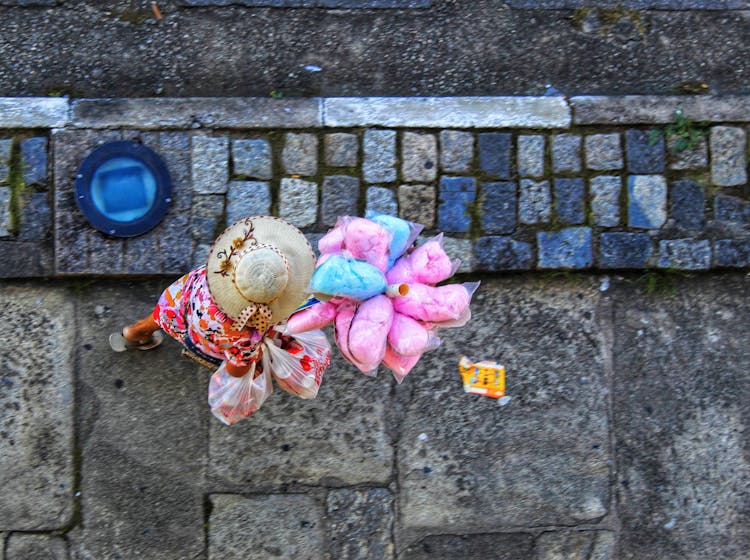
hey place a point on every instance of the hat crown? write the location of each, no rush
(261, 274)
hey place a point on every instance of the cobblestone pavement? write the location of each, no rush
(515, 183)
(625, 433)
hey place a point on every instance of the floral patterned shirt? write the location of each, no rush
(186, 308)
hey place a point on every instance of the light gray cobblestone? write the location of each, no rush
(6, 144)
(340, 197)
(379, 165)
(603, 152)
(695, 157)
(460, 249)
(605, 200)
(647, 201)
(5, 215)
(382, 200)
(341, 149)
(534, 202)
(417, 204)
(566, 152)
(728, 156)
(419, 157)
(300, 154)
(530, 155)
(456, 151)
(206, 215)
(33, 112)
(210, 165)
(35, 218)
(34, 160)
(298, 202)
(247, 198)
(252, 158)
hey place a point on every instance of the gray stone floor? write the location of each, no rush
(624, 438)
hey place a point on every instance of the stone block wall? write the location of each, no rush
(515, 183)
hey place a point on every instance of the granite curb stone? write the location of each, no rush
(186, 113)
(34, 112)
(441, 112)
(447, 112)
(657, 109)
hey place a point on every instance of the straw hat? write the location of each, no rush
(258, 271)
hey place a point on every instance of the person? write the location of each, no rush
(256, 276)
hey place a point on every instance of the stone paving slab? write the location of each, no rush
(143, 426)
(498, 546)
(37, 403)
(36, 547)
(288, 527)
(339, 439)
(542, 459)
(680, 414)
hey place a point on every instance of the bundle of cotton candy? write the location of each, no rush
(379, 292)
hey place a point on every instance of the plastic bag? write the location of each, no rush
(233, 398)
(297, 362)
(344, 277)
(427, 264)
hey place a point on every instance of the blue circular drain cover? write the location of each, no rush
(123, 189)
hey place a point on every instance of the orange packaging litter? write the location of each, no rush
(482, 378)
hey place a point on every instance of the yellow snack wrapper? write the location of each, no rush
(482, 378)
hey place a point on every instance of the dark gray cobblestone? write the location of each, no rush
(615, 181)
